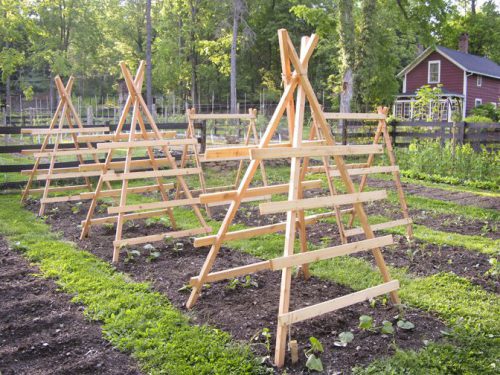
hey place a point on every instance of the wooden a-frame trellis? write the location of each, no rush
(141, 138)
(251, 138)
(367, 168)
(65, 113)
(295, 205)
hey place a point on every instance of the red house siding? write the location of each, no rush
(488, 92)
(451, 77)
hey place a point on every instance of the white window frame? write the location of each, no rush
(438, 62)
(479, 81)
(478, 100)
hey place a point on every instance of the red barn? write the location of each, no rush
(467, 81)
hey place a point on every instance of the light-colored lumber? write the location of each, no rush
(277, 264)
(71, 152)
(123, 136)
(59, 170)
(119, 165)
(244, 200)
(319, 202)
(354, 116)
(257, 231)
(317, 151)
(61, 176)
(153, 205)
(150, 174)
(337, 303)
(65, 198)
(321, 168)
(381, 226)
(126, 217)
(130, 190)
(147, 143)
(160, 237)
(369, 170)
(255, 192)
(35, 131)
(59, 189)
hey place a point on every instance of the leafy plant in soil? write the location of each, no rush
(152, 252)
(344, 339)
(313, 361)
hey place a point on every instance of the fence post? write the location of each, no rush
(203, 136)
(443, 133)
(393, 133)
(90, 116)
(461, 132)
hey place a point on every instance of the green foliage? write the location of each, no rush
(460, 162)
(135, 318)
(365, 322)
(313, 361)
(487, 110)
(478, 118)
(344, 339)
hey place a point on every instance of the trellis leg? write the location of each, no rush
(53, 123)
(109, 157)
(256, 140)
(339, 161)
(246, 142)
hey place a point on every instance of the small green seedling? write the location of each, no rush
(249, 282)
(233, 284)
(494, 270)
(109, 227)
(131, 255)
(344, 339)
(102, 208)
(313, 361)
(365, 322)
(77, 208)
(405, 324)
(186, 288)
(387, 328)
(54, 210)
(152, 252)
(266, 333)
(178, 247)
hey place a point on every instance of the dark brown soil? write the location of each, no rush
(463, 198)
(42, 332)
(246, 310)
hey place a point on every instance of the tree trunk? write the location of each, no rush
(236, 21)
(149, 67)
(51, 93)
(194, 56)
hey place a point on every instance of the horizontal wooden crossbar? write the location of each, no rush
(66, 198)
(337, 303)
(221, 116)
(150, 174)
(318, 202)
(256, 191)
(354, 116)
(153, 205)
(370, 170)
(317, 151)
(297, 259)
(148, 143)
(258, 231)
(381, 226)
(55, 170)
(70, 152)
(134, 164)
(161, 237)
(130, 190)
(58, 189)
(123, 136)
(321, 168)
(35, 131)
(127, 217)
(243, 200)
(60, 176)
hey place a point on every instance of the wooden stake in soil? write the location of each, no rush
(65, 113)
(140, 138)
(295, 206)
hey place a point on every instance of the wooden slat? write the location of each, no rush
(370, 170)
(381, 226)
(150, 174)
(161, 237)
(221, 116)
(321, 168)
(257, 191)
(354, 116)
(319, 202)
(247, 199)
(35, 131)
(127, 217)
(298, 259)
(59, 189)
(59, 170)
(130, 190)
(66, 198)
(317, 151)
(337, 303)
(134, 164)
(123, 136)
(56, 176)
(149, 143)
(70, 152)
(258, 231)
(153, 205)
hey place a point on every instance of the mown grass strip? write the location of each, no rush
(135, 318)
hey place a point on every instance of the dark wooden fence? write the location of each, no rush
(403, 133)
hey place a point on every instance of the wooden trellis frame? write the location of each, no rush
(149, 168)
(65, 113)
(295, 205)
(365, 169)
(251, 138)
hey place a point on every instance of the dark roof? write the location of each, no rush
(472, 63)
